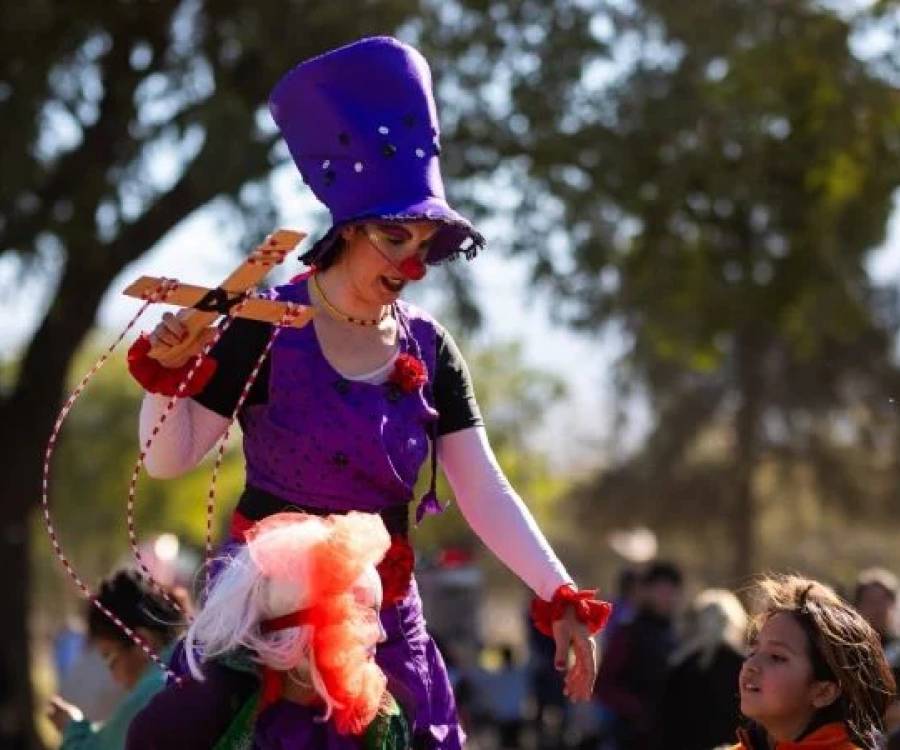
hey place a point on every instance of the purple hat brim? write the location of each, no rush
(456, 236)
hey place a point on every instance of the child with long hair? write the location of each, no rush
(816, 676)
(298, 605)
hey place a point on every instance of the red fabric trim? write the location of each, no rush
(592, 612)
(396, 569)
(291, 620)
(155, 377)
(272, 688)
(302, 276)
(239, 527)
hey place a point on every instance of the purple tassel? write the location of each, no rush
(429, 505)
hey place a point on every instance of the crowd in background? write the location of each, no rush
(668, 672)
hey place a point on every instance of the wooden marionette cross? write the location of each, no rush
(203, 306)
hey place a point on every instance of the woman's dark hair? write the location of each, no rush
(331, 255)
(843, 648)
(136, 603)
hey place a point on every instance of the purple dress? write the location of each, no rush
(325, 443)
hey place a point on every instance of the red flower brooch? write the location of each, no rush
(396, 569)
(409, 373)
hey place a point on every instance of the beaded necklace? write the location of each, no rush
(340, 315)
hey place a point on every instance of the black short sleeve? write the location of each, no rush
(454, 395)
(236, 353)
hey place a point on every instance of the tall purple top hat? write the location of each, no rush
(361, 125)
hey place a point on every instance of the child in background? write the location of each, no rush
(146, 612)
(816, 676)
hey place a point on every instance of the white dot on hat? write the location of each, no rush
(384, 129)
(420, 153)
(358, 166)
(326, 164)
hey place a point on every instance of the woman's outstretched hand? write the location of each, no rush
(568, 633)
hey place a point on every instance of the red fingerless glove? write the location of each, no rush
(592, 612)
(154, 377)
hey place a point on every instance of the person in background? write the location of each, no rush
(875, 598)
(700, 707)
(157, 622)
(816, 676)
(633, 666)
(625, 603)
(507, 691)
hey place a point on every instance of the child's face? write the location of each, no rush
(776, 682)
(126, 663)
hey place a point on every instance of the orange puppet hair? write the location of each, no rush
(326, 567)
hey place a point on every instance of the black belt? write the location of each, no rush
(256, 504)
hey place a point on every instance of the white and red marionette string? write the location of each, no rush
(166, 287)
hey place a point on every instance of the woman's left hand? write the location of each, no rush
(580, 675)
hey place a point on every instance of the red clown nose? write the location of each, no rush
(412, 268)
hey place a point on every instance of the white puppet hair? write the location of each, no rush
(241, 598)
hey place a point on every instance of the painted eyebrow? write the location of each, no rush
(394, 230)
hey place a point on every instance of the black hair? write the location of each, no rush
(332, 254)
(137, 604)
(661, 571)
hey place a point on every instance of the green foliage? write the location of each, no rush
(712, 180)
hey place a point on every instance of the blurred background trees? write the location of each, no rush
(707, 180)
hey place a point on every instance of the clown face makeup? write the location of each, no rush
(404, 245)
(378, 261)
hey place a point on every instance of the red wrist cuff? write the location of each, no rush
(156, 378)
(592, 612)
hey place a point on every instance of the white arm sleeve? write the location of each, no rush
(185, 438)
(496, 513)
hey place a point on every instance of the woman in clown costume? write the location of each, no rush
(345, 411)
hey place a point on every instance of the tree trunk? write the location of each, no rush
(16, 703)
(26, 419)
